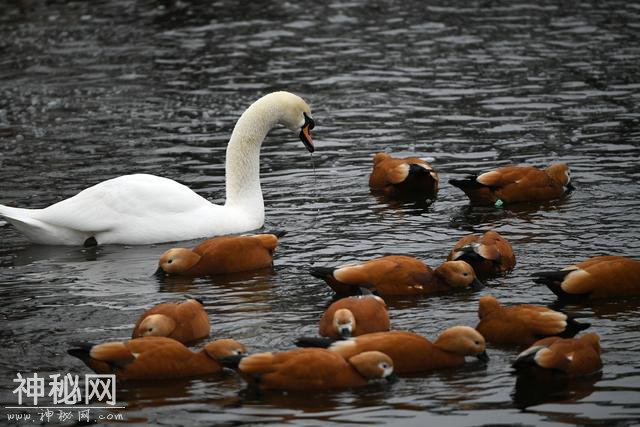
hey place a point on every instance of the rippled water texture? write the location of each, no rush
(93, 90)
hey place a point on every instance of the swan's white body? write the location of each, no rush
(142, 209)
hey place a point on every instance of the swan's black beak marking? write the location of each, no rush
(305, 133)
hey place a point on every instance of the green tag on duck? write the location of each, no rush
(498, 203)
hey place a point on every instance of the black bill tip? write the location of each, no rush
(477, 284)
(483, 356)
(159, 273)
(305, 133)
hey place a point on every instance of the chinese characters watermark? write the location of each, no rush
(50, 395)
(66, 389)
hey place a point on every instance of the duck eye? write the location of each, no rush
(170, 261)
(465, 274)
(150, 329)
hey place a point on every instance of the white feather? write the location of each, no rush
(142, 209)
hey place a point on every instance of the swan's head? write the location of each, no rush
(295, 115)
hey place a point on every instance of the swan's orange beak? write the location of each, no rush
(305, 133)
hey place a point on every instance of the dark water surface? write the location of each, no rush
(93, 90)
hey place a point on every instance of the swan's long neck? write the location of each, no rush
(242, 168)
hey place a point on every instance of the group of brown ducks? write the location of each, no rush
(356, 344)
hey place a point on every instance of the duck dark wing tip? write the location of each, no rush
(320, 342)
(321, 272)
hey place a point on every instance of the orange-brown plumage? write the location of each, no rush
(413, 353)
(313, 369)
(490, 255)
(515, 184)
(522, 324)
(156, 358)
(353, 316)
(403, 177)
(221, 255)
(185, 322)
(573, 356)
(595, 278)
(398, 275)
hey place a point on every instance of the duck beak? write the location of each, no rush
(159, 273)
(305, 133)
(345, 332)
(476, 284)
(483, 356)
(231, 362)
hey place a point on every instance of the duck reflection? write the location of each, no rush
(329, 403)
(148, 394)
(536, 386)
(468, 214)
(248, 283)
(405, 204)
(601, 308)
(324, 401)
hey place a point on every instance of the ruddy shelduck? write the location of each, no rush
(314, 369)
(403, 177)
(398, 275)
(516, 184)
(412, 353)
(353, 316)
(490, 255)
(574, 357)
(155, 358)
(185, 322)
(522, 324)
(221, 255)
(595, 278)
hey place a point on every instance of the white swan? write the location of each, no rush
(142, 209)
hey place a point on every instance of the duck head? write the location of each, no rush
(463, 340)
(459, 275)
(344, 322)
(177, 261)
(372, 364)
(155, 325)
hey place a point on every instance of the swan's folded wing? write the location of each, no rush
(137, 198)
